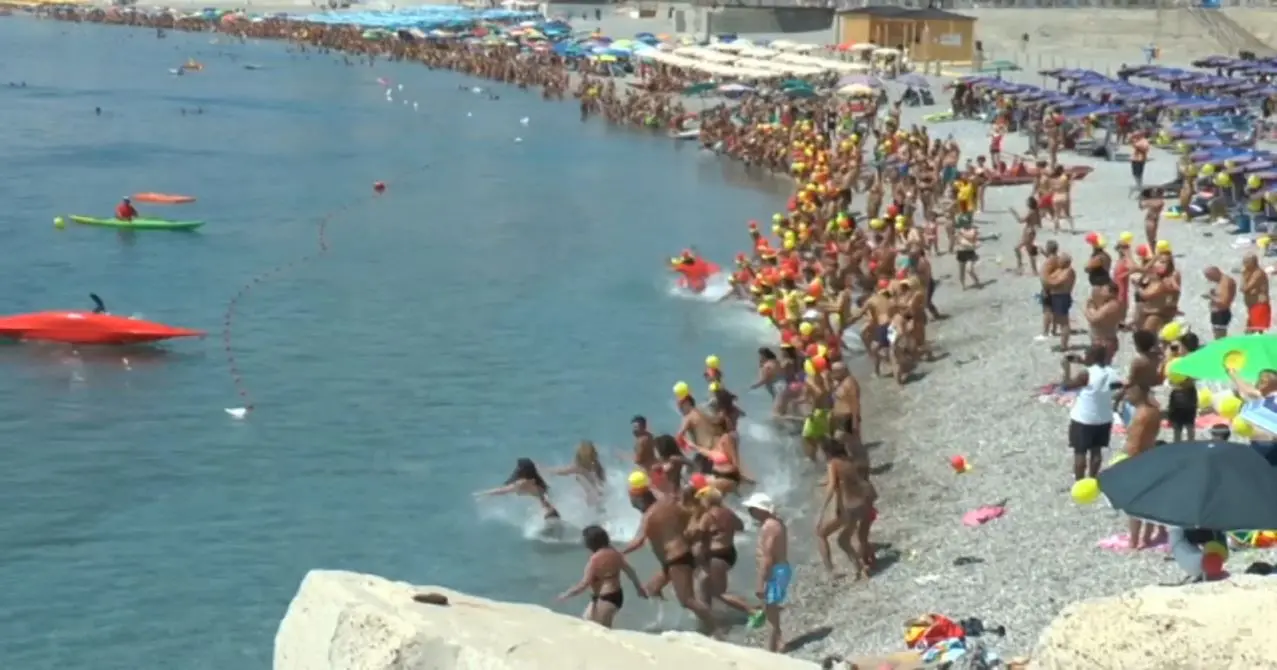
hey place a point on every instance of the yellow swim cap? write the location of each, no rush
(681, 390)
(1163, 247)
(1126, 238)
(638, 481)
(711, 362)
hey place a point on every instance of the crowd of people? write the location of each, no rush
(847, 266)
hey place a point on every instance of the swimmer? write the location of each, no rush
(602, 576)
(664, 524)
(768, 371)
(99, 307)
(644, 445)
(588, 471)
(853, 497)
(527, 481)
(719, 525)
(774, 571)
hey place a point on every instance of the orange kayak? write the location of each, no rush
(163, 198)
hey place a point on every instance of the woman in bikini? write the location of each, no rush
(526, 480)
(718, 526)
(724, 459)
(602, 577)
(588, 472)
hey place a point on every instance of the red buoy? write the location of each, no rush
(379, 187)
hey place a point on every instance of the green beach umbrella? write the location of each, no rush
(699, 88)
(1248, 355)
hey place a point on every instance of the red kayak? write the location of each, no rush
(87, 328)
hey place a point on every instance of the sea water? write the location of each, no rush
(508, 296)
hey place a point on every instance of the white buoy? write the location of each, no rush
(401, 87)
(518, 139)
(237, 412)
(524, 121)
(414, 106)
(469, 114)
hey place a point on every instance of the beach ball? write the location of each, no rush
(681, 390)
(959, 464)
(1205, 398)
(1171, 331)
(1229, 406)
(59, 222)
(1242, 427)
(1118, 458)
(711, 362)
(1085, 491)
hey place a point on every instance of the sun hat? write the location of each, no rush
(761, 501)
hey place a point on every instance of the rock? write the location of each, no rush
(1214, 625)
(350, 621)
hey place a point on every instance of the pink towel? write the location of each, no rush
(1121, 542)
(982, 515)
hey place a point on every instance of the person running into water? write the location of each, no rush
(664, 525)
(602, 577)
(774, 571)
(588, 472)
(718, 526)
(526, 480)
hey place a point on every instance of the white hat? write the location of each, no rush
(761, 501)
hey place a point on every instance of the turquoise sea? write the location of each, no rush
(504, 298)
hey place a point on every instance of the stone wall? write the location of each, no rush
(350, 621)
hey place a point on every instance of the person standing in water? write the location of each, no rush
(602, 576)
(665, 523)
(774, 571)
(526, 480)
(588, 472)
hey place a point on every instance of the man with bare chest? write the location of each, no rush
(665, 524)
(1259, 313)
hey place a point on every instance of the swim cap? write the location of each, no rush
(805, 329)
(715, 387)
(681, 390)
(711, 362)
(1125, 238)
(698, 481)
(639, 481)
(1163, 247)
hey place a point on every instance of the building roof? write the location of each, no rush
(894, 12)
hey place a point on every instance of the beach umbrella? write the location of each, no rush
(800, 92)
(1247, 355)
(1213, 485)
(860, 80)
(855, 90)
(794, 83)
(695, 89)
(914, 80)
(734, 88)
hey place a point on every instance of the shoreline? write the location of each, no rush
(879, 409)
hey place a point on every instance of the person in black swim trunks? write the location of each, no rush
(603, 576)
(526, 480)
(665, 523)
(718, 527)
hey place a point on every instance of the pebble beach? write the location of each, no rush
(980, 401)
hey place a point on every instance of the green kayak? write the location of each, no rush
(138, 224)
